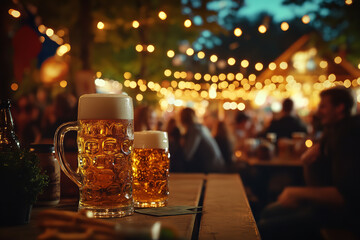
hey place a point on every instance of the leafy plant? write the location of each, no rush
(21, 177)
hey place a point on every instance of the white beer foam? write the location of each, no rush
(105, 106)
(151, 139)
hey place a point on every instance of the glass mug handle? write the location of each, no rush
(59, 150)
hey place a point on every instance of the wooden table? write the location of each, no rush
(226, 213)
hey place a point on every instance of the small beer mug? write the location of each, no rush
(105, 135)
(151, 159)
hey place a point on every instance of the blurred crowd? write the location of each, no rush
(325, 142)
(198, 143)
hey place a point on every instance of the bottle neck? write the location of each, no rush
(6, 120)
(8, 139)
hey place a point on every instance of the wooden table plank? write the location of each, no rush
(184, 190)
(226, 211)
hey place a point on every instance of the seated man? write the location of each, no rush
(332, 195)
(288, 123)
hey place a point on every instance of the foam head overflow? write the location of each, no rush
(151, 139)
(105, 106)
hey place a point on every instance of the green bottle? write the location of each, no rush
(8, 140)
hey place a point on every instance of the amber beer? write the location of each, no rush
(150, 166)
(105, 139)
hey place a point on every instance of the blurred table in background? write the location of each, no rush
(226, 213)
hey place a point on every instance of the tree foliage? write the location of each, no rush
(339, 24)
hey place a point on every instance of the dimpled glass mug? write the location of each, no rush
(105, 135)
(151, 159)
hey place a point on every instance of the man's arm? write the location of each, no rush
(293, 196)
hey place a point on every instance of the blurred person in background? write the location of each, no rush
(202, 154)
(287, 124)
(144, 119)
(175, 149)
(222, 138)
(332, 194)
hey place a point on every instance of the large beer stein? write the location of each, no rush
(151, 159)
(105, 135)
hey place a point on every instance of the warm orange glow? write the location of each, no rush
(162, 15)
(305, 19)
(244, 63)
(150, 48)
(139, 48)
(284, 26)
(190, 51)
(170, 53)
(231, 61)
(213, 58)
(42, 28)
(139, 97)
(14, 13)
(135, 24)
(338, 60)
(187, 23)
(308, 143)
(63, 84)
(100, 25)
(49, 32)
(237, 32)
(323, 64)
(262, 29)
(201, 55)
(14, 87)
(259, 66)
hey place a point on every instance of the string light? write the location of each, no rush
(63, 84)
(213, 58)
(305, 19)
(231, 61)
(139, 48)
(162, 15)
(150, 48)
(49, 32)
(135, 24)
(348, 2)
(170, 53)
(14, 87)
(262, 29)
(284, 26)
(323, 64)
(201, 55)
(14, 13)
(237, 32)
(259, 66)
(338, 60)
(189, 51)
(244, 63)
(187, 23)
(100, 25)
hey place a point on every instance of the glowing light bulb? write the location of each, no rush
(305, 19)
(14, 13)
(237, 32)
(162, 15)
(100, 25)
(201, 55)
(135, 24)
(170, 53)
(262, 29)
(213, 58)
(284, 26)
(187, 23)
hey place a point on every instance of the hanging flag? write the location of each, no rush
(27, 46)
